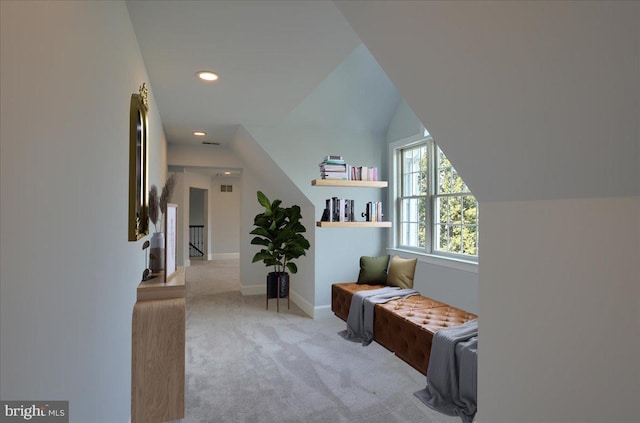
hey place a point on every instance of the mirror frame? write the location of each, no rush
(138, 166)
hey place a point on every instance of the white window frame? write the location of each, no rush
(427, 254)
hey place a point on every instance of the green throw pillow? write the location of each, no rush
(401, 272)
(373, 270)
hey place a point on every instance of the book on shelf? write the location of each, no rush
(373, 212)
(338, 210)
(334, 175)
(363, 173)
(334, 167)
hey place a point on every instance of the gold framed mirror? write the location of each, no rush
(138, 166)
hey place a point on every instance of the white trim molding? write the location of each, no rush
(453, 263)
(304, 305)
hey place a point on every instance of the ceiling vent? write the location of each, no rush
(210, 143)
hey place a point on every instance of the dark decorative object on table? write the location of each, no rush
(279, 230)
(157, 208)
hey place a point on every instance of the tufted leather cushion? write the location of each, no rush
(341, 294)
(404, 326)
(408, 330)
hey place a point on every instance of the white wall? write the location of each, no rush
(201, 156)
(224, 217)
(68, 275)
(559, 311)
(261, 173)
(404, 123)
(537, 106)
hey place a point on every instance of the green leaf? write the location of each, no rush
(261, 231)
(292, 268)
(260, 256)
(264, 201)
(260, 241)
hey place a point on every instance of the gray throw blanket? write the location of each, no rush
(452, 373)
(360, 319)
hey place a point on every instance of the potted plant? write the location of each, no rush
(279, 231)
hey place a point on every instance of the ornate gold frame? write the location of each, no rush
(138, 166)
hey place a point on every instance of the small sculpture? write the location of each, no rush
(146, 274)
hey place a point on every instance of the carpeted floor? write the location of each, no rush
(248, 364)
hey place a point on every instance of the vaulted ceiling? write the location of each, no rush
(270, 56)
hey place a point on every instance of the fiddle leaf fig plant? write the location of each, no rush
(279, 231)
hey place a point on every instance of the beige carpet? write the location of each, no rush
(248, 364)
(212, 277)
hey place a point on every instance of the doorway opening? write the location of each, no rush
(198, 223)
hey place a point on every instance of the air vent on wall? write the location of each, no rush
(210, 143)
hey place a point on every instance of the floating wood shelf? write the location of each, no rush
(353, 224)
(348, 183)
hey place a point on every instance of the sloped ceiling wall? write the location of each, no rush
(547, 93)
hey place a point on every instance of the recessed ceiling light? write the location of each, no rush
(226, 172)
(208, 76)
(199, 133)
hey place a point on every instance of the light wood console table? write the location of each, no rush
(158, 350)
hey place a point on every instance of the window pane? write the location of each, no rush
(455, 239)
(442, 237)
(469, 236)
(414, 171)
(470, 209)
(413, 228)
(456, 226)
(444, 176)
(453, 222)
(449, 182)
(442, 209)
(457, 184)
(455, 209)
(406, 185)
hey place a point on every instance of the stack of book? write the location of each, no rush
(373, 212)
(334, 167)
(339, 210)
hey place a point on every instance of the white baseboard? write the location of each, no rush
(321, 312)
(223, 256)
(304, 305)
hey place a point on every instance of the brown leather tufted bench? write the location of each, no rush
(341, 294)
(404, 326)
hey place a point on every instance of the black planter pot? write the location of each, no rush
(272, 284)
